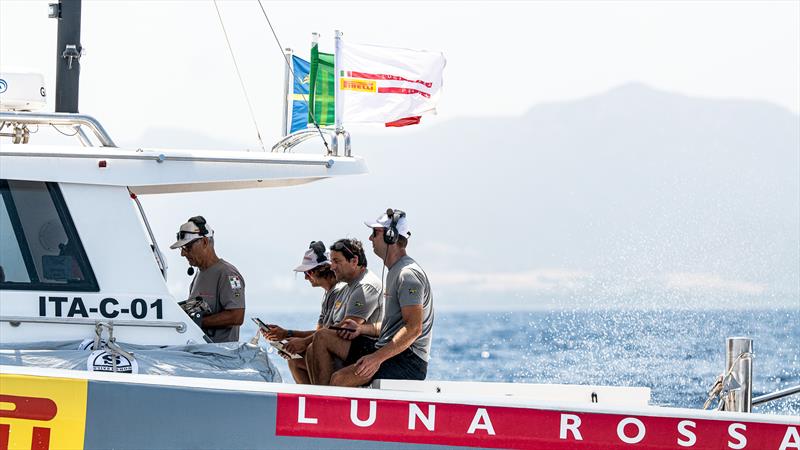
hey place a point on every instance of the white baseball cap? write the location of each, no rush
(314, 258)
(385, 221)
(189, 232)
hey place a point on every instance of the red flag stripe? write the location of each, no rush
(398, 90)
(382, 76)
(404, 122)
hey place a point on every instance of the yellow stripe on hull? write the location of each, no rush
(42, 412)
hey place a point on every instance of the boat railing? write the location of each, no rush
(19, 121)
(340, 140)
(733, 389)
(777, 395)
(16, 321)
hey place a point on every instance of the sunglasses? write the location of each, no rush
(343, 247)
(375, 232)
(188, 246)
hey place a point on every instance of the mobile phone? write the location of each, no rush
(261, 324)
(342, 329)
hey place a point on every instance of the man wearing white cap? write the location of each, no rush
(402, 347)
(316, 267)
(218, 283)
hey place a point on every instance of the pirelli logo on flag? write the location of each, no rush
(354, 84)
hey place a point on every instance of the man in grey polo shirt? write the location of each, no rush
(360, 302)
(218, 283)
(403, 344)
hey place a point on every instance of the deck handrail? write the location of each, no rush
(16, 321)
(67, 119)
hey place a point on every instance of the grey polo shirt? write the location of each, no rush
(406, 285)
(361, 298)
(328, 303)
(222, 287)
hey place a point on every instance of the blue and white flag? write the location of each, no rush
(299, 95)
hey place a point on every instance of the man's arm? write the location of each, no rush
(277, 333)
(230, 292)
(360, 327)
(405, 336)
(224, 319)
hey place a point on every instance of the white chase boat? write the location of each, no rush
(96, 353)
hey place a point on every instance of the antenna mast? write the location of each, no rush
(68, 54)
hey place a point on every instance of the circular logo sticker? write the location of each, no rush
(103, 361)
(3, 86)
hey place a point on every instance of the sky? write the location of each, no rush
(165, 65)
(160, 60)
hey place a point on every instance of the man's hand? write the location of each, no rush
(350, 324)
(297, 345)
(275, 333)
(368, 365)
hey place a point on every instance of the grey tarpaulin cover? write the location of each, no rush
(232, 360)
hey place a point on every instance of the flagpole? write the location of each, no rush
(287, 55)
(312, 110)
(337, 99)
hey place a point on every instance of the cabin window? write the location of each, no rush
(39, 247)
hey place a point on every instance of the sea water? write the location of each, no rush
(677, 354)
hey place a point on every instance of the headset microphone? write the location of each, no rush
(190, 271)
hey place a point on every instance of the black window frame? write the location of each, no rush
(88, 284)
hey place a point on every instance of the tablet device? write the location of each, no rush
(261, 324)
(280, 346)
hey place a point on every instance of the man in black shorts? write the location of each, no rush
(402, 347)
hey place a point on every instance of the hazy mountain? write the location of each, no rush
(634, 195)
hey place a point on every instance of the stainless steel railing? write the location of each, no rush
(61, 119)
(16, 321)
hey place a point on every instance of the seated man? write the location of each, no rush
(316, 266)
(402, 347)
(360, 302)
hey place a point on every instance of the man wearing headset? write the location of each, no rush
(218, 283)
(402, 347)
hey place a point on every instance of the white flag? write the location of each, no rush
(384, 84)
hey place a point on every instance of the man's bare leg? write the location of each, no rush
(309, 359)
(347, 377)
(299, 371)
(326, 346)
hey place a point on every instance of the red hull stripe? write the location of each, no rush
(515, 428)
(382, 76)
(399, 90)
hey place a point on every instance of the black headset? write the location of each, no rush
(391, 235)
(200, 221)
(319, 250)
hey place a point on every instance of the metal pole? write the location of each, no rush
(287, 55)
(68, 55)
(337, 112)
(776, 395)
(337, 99)
(739, 363)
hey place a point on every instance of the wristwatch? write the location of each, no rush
(289, 333)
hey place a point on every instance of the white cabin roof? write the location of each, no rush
(156, 171)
